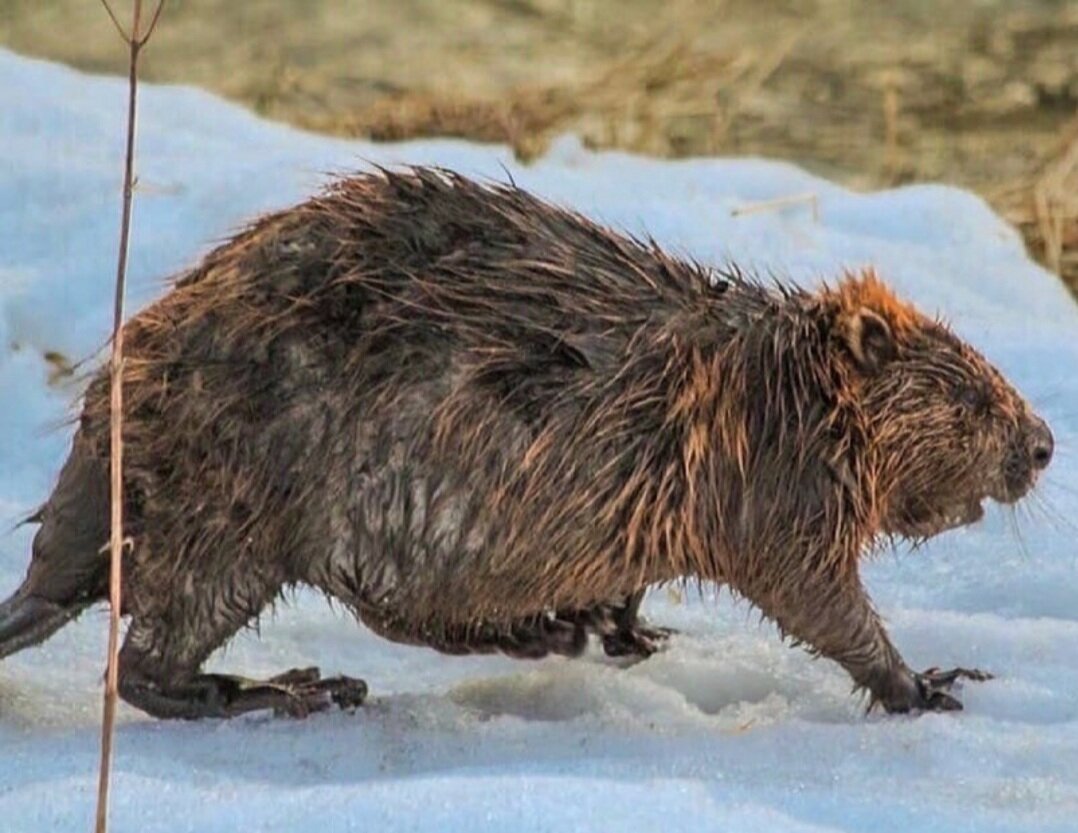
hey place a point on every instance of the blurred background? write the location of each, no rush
(981, 94)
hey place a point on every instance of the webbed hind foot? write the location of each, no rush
(296, 693)
(312, 693)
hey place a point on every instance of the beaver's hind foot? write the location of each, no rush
(296, 693)
(308, 692)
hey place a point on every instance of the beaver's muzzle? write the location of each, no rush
(1041, 444)
(1031, 455)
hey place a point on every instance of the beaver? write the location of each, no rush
(485, 423)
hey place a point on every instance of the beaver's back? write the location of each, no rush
(355, 375)
(394, 266)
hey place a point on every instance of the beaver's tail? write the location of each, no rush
(69, 569)
(26, 620)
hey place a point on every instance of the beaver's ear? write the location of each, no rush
(869, 339)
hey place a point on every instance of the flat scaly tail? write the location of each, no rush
(68, 568)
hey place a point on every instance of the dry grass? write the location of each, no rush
(638, 93)
(1044, 206)
(870, 94)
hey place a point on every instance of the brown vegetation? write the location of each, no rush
(870, 93)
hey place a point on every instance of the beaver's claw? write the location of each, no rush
(933, 686)
(926, 691)
(638, 641)
(948, 678)
(304, 691)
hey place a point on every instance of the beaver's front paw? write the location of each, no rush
(640, 641)
(927, 691)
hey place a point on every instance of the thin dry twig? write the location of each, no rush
(890, 128)
(153, 23)
(136, 39)
(116, 21)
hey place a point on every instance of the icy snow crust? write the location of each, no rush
(729, 730)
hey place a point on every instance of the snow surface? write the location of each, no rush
(729, 730)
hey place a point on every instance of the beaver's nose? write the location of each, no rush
(1041, 443)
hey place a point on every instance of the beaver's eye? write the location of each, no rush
(971, 397)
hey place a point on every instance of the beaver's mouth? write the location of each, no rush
(1015, 487)
(926, 515)
(931, 521)
(972, 512)
(963, 515)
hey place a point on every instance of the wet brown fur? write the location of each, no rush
(475, 418)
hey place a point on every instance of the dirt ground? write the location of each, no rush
(979, 94)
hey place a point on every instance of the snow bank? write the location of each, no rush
(727, 731)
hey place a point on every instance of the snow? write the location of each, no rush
(729, 730)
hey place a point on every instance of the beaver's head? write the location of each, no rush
(945, 430)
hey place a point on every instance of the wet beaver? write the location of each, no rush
(487, 424)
